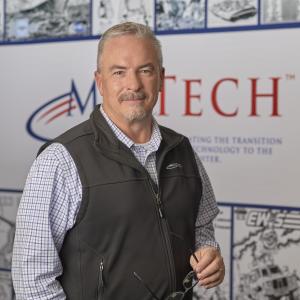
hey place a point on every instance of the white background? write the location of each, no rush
(32, 75)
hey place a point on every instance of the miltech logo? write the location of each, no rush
(50, 119)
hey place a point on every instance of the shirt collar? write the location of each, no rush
(152, 145)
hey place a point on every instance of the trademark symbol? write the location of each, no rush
(290, 76)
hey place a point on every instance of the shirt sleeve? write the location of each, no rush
(47, 210)
(207, 211)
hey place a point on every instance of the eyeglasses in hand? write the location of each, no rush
(188, 283)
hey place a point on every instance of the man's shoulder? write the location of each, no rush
(167, 132)
(78, 131)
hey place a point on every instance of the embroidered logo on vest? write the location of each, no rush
(173, 166)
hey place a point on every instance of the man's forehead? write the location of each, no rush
(123, 47)
(125, 39)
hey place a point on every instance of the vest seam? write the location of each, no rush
(114, 182)
(83, 207)
(181, 175)
(97, 254)
(78, 137)
(80, 270)
(72, 139)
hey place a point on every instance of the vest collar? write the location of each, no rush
(109, 144)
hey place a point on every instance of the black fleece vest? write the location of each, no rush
(125, 223)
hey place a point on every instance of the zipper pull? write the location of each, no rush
(101, 281)
(160, 209)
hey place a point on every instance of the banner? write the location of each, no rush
(231, 85)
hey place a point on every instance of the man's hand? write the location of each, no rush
(210, 269)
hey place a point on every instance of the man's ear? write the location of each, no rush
(162, 76)
(98, 80)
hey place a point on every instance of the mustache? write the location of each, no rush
(132, 96)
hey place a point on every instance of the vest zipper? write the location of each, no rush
(100, 281)
(166, 237)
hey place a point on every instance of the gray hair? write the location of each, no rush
(129, 28)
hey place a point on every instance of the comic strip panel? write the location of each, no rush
(38, 19)
(228, 13)
(179, 15)
(6, 288)
(223, 236)
(9, 203)
(1, 20)
(265, 243)
(107, 13)
(280, 11)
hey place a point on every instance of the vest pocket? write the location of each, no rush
(100, 289)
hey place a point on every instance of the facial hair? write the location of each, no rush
(137, 113)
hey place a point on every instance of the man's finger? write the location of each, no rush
(205, 258)
(211, 276)
(213, 280)
(214, 268)
(212, 284)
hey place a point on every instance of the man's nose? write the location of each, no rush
(133, 81)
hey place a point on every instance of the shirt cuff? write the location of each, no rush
(208, 244)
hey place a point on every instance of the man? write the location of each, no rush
(113, 206)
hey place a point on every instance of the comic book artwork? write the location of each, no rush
(232, 13)
(260, 244)
(179, 15)
(1, 21)
(107, 13)
(37, 19)
(8, 210)
(6, 287)
(7, 231)
(266, 247)
(222, 226)
(280, 11)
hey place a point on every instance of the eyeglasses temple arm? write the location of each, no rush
(193, 254)
(145, 285)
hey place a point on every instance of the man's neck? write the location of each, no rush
(138, 131)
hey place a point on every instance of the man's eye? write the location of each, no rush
(146, 71)
(118, 73)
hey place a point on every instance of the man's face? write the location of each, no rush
(129, 79)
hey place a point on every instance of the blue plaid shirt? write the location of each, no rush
(49, 206)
